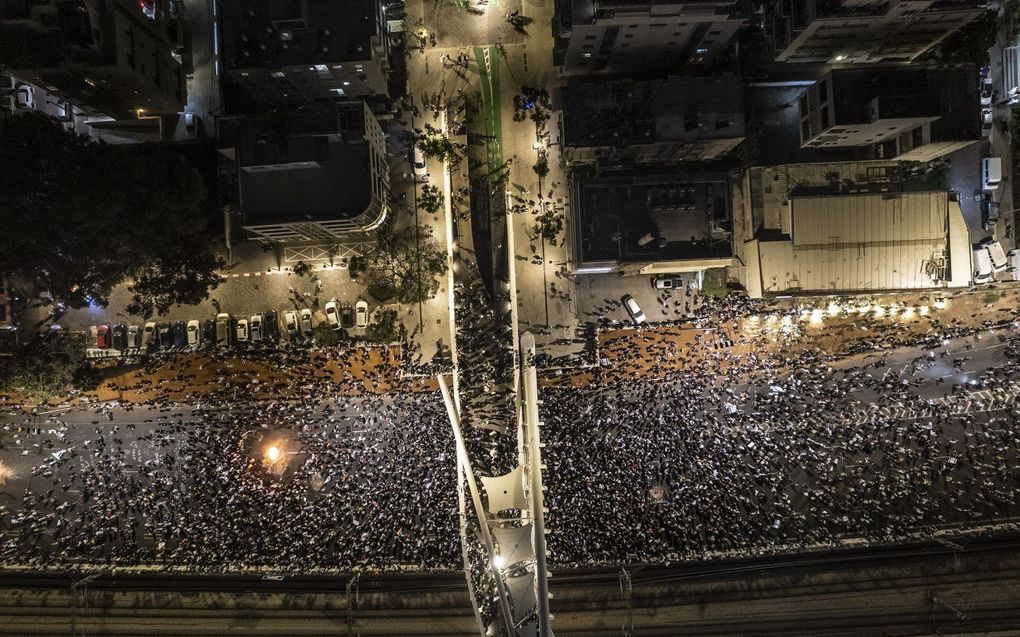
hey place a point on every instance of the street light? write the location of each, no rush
(273, 454)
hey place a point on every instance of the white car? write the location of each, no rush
(255, 325)
(149, 334)
(633, 309)
(361, 314)
(306, 322)
(24, 97)
(133, 336)
(189, 122)
(93, 334)
(194, 332)
(241, 330)
(333, 315)
(421, 172)
(986, 122)
(290, 322)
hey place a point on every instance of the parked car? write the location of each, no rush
(306, 322)
(272, 328)
(667, 282)
(333, 315)
(633, 309)
(119, 336)
(209, 331)
(418, 164)
(291, 322)
(134, 337)
(189, 122)
(24, 97)
(347, 315)
(165, 331)
(93, 334)
(180, 334)
(986, 122)
(255, 328)
(241, 330)
(361, 314)
(224, 329)
(149, 334)
(103, 336)
(194, 332)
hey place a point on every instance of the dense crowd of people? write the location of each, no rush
(361, 483)
(723, 455)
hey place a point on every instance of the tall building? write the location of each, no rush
(304, 52)
(118, 57)
(888, 112)
(625, 36)
(302, 176)
(864, 31)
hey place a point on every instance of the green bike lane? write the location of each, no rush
(488, 71)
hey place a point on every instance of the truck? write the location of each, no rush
(995, 253)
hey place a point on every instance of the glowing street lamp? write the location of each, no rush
(273, 454)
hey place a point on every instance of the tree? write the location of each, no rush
(302, 269)
(407, 261)
(82, 217)
(325, 336)
(548, 226)
(47, 368)
(430, 199)
(158, 286)
(386, 328)
(433, 143)
(357, 266)
(541, 166)
(533, 103)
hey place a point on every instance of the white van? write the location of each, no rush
(996, 254)
(982, 267)
(991, 172)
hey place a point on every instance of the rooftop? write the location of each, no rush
(950, 92)
(300, 167)
(623, 111)
(276, 33)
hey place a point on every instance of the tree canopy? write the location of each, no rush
(81, 217)
(406, 261)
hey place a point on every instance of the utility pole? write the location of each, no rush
(626, 591)
(353, 604)
(83, 584)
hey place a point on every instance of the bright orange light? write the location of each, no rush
(273, 453)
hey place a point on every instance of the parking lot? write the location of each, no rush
(600, 294)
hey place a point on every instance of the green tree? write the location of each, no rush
(541, 166)
(47, 369)
(82, 217)
(325, 336)
(386, 328)
(430, 199)
(433, 143)
(548, 226)
(302, 269)
(160, 285)
(532, 103)
(407, 261)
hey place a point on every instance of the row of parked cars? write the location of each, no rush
(226, 329)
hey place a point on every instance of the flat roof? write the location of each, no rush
(624, 111)
(276, 33)
(948, 91)
(881, 241)
(690, 213)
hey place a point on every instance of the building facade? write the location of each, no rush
(116, 57)
(304, 53)
(623, 36)
(864, 31)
